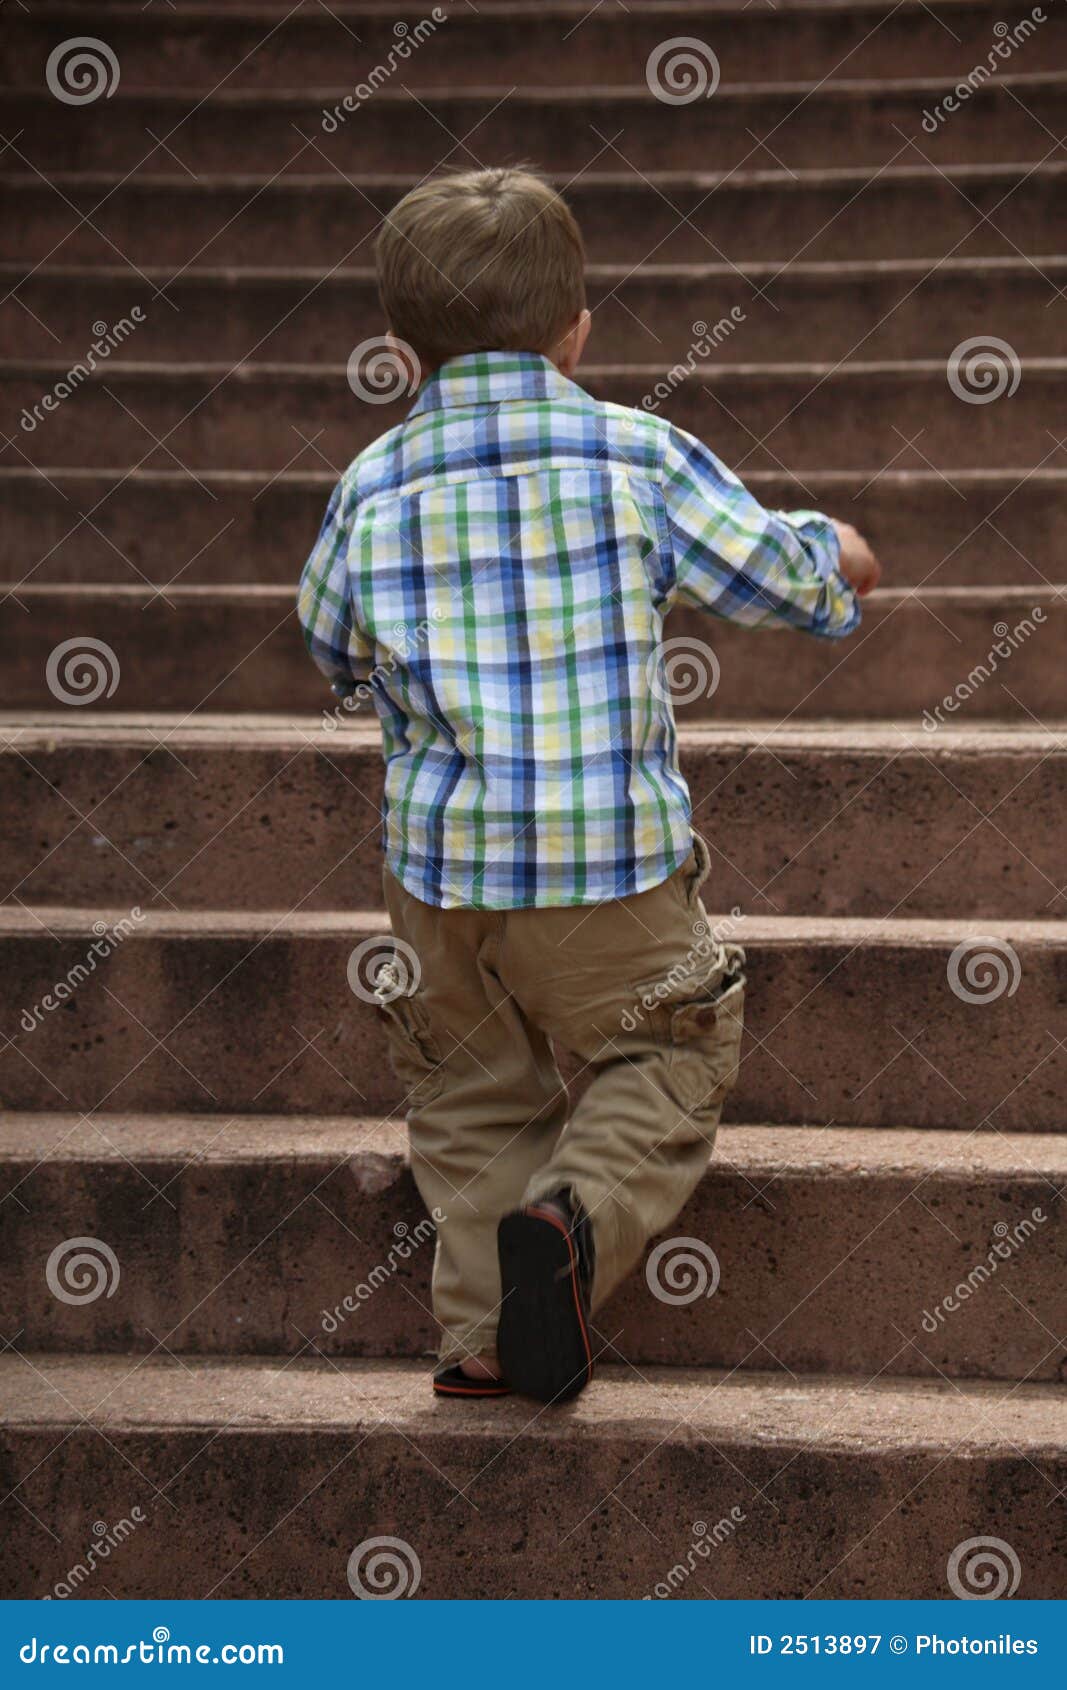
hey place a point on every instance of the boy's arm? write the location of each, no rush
(324, 605)
(753, 566)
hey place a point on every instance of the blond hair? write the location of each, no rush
(480, 261)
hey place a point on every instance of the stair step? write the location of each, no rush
(230, 811)
(240, 648)
(550, 44)
(791, 125)
(260, 1235)
(897, 309)
(911, 210)
(861, 416)
(852, 1021)
(805, 1488)
(992, 528)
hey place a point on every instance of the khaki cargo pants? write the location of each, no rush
(648, 999)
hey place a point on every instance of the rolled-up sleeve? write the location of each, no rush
(324, 605)
(753, 566)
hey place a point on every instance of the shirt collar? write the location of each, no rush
(491, 378)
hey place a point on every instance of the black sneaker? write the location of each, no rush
(453, 1382)
(546, 1269)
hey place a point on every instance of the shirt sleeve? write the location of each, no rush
(337, 646)
(757, 567)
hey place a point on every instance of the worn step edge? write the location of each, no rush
(828, 1414)
(23, 921)
(838, 1154)
(844, 90)
(847, 272)
(642, 375)
(35, 731)
(207, 182)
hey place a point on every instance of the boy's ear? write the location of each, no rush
(408, 365)
(567, 354)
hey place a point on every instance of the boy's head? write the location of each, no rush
(484, 261)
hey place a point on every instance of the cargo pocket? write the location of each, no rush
(415, 1056)
(701, 1027)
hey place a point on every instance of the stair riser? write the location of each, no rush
(185, 222)
(272, 1025)
(258, 532)
(314, 51)
(874, 1523)
(865, 127)
(270, 421)
(248, 1258)
(229, 653)
(652, 319)
(793, 831)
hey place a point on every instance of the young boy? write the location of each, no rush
(498, 569)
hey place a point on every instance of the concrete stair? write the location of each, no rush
(904, 211)
(257, 1228)
(919, 645)
(879, 1375)
(982, 528)
(230, 811)
(866, 1482)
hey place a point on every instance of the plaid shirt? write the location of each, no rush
(498, 569)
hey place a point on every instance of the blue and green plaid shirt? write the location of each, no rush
(497, 569)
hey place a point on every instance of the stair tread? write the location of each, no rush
(830, 1152)
(1028, 268)
(210, 181)
(850, 89)
(119, 1394)
(29, 730)
(72, 921)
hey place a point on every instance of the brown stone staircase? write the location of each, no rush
(202, 1107)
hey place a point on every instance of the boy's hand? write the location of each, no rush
(858, 565)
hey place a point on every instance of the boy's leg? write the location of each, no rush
(652, 1002)
(483, 1097)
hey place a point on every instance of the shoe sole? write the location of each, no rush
(543, 1342)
